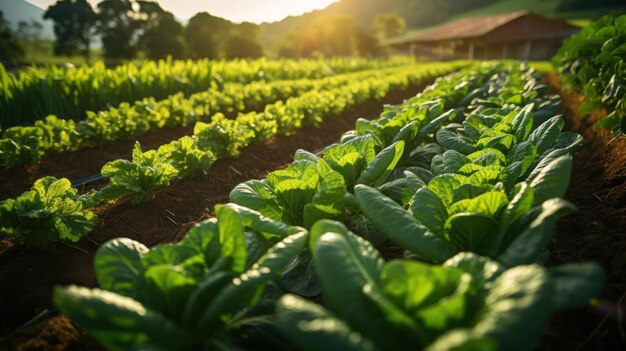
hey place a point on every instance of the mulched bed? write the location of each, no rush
(27, 277)
(597, 232)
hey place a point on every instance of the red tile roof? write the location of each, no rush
(470, 27)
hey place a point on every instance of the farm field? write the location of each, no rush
(322, 204)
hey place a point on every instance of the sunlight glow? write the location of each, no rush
(235, 10)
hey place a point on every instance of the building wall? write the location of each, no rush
(537, 50)
(529, 27)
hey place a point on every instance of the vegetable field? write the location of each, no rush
(312, 205)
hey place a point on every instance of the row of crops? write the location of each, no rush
(68, 93)
(29, 144)
(466, 180)
(53, 210)
(593, 62)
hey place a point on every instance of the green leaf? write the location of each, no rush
(471, 231)
(543, 161)
(299, 276)
(450, 141)
(256, 195)
(203, 239)
(166, 288)
(363, 227)
(532, 242)
(575, 284)
(312, 327)
(489, 203)
(430, 211)
(517, 308)
(546, 134)
(523, 123)
(294, 195)
(481, 268)
(462, 340)
(553, 179)
(434, 295)
(379, 169)
(201, 298)
(305, 156)
(117, 322)
(516, 209)
(487, 157)
(399, 226)
(525, 153)
(117, 266)
(453, 161)
(470, 191)
(232, 237)
(345, 264)
(444, 187)
(328, 201)
(259, 223)
(244, 291)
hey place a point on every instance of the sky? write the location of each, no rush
(235, 10)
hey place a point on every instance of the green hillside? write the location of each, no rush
(425, 13)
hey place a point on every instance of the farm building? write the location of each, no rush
(519, 35)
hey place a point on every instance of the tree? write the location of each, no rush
(10, 50)
(367, 45)
(204, 35)
(74, 21)
(388, 25)
(243, 42)
(119, 21)
(338, 35)
(29, 31)
(164, 38)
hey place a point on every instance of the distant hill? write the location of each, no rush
(425, 13)
(20, 10)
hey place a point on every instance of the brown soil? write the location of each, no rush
(82, 163)
(27, 277)
(597, 232)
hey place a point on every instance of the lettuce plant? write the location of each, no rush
(137, 178)
(592, 62)
(194, 294)
(185, 155)
(469, 302)
(50, 211)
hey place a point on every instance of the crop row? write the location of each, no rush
(27, 145)
(37, 92)
(594, 62)
(472, 195)
(52, 210)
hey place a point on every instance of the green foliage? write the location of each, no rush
(592, 62)
(178, 296)
(10, 49)
(485, 216)
(127, 121)
(74, 22)
(468, 302)
(50, 211)
(36, 92)
(187, 157)
(137, 178)
(21, 145)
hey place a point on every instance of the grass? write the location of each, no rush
(40, 52)
(541, 66)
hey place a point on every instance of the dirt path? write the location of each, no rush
(597, 232)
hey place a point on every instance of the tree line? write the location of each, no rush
(129, 27)
(141, 28)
